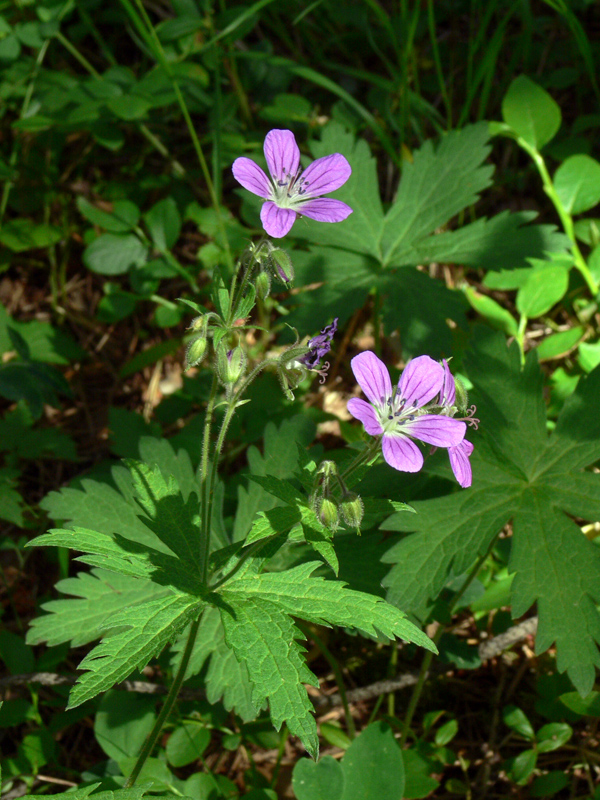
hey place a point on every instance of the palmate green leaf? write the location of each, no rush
(135, 793)
(150, 627)
(105, 552)
(101, 595)
(264, 637)
(325, 602)
(256, 611)
(227, 678)
(536, 479)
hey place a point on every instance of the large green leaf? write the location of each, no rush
(537, 480)
(264, 637)
(148, 628)
(101, 595)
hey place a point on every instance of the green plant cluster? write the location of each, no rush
(212, 586)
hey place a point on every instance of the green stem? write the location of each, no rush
(337, 672)
(363, 457)
(565, 217)
(205, 519)
(418, 689)
(152, 738)
(216, 458)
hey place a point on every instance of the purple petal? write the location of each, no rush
(251, 176)
(436, 430)
(326, 174)
(276, 221)
(421, 380)
(459, 461)
(448, 393)
(325, 209)
(400, 453)
(366, 414)
(282, 154)
(372, 377)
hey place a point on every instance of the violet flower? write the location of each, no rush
(458, 455)
(288, 190)
(398, 415)
(319, 346)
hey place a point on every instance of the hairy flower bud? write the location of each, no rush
(462, 398)
(263, 285)
(282, 265)
(231, 364)
(353, 509)
(327, 512)
(196, 350)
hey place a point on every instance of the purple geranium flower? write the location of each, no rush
(459, 455)
(288, 190)
(319, 346)
(398, 415)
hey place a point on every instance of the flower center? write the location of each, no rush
(394, 412)
(287, 190)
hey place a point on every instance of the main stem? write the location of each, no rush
(152, 738)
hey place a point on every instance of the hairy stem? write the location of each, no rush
(152, 738)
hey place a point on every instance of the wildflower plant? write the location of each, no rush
(185, 575)
(231, 597)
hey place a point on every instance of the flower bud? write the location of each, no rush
(462, 398)
(282, 265)
(263, 285)
(198, 323)
(196, 350)
(327, 512)
(328, 468)
(353, 509)
(231, 364)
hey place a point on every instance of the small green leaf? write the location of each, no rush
(321, 780)
(446, 733)
(123, 217)
(531, 112)
(558, 344)
(544, 287)
(129, 106)
(187, 743)
(577, 183)
(589, 355)
(164, 223)
(373, 765)
(23, 234)
(115, 254)
(122, 722)
(522, 766)
(587, 706)
(492, 311)
(553, 736)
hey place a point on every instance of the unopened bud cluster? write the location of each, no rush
(273, 262)
(350, 508)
